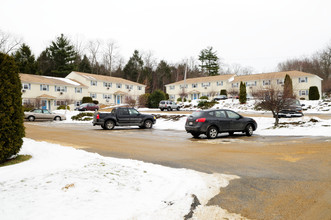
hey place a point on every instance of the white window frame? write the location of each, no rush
(94, 83)
(267, 82)
(118, 85)
(60, 88)
(139, 87)
(235, 85)
(93, 95)
(172, 87)
(26, 86)
(219, 83)
(251, 83)
(78, 90)
(107, 84)
(107, 96)
(303, 79)
(44, 87)
(280, 81)
(205, 84)
(303, 92)
(194, 85)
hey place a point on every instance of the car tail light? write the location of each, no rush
(200, 120)
(98, 116)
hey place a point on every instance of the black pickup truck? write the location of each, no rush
(122, 116)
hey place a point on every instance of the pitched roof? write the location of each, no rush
(104, 78)
(30, 78)
(204, 79)
(273, 75)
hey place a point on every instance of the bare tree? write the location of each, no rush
(130, 101)
(238, 69)
(110, 55)
(8, 42)
(233, 92)
(93, 48)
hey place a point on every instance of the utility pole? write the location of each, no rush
(184, 82)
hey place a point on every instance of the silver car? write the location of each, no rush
(43, 114)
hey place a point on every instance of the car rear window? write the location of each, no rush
(197, 114)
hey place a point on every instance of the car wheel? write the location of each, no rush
(177, 108)
(148, 124)
(31, 118)
(109, 125)
(230, 133)
(169, 109)
(195, 135)
(249, 130)
(161, 109)
(103, 127)
(57, 118)
(212, 132)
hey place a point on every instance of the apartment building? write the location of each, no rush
(106, 89)
(194, 88)
(210, 86)
(51, 92)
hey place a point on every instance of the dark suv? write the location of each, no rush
(88, 107)
(213, 122)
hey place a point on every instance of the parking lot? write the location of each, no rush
(281, 177)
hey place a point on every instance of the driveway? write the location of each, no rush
(280, 177)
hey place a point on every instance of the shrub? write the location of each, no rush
(155, 98)
(11, 109)
(180, 99)
(143, 100)
(242, 93)
(130, 101)
(206, 104)
(313, 93)
(87, 99)
(95, 102)
(28, 107)
(204, 97)
(223, 92)
(84, 116)
(63, 107)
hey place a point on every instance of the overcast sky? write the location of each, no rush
(255, 33)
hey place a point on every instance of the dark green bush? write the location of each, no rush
(84, 116)
(95, 102)
(206, 104)
(11, 109)
(155, 98)
(313, 93)
(143, 100)
(87, 99)
(242, 93)
(63, 107)
(180, 99)
(204, 97)
(223, 92)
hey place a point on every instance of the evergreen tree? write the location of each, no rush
(134, 68)
(25, 60)
(85, 65)
(155, 98)
(242, 93)
(313, 93)
(209, 61)
(11, 109)
(45, 64)
(163, 73)
(288, 87)
(63, 55)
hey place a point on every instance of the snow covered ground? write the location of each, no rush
(66, 183)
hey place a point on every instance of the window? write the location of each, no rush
(60, 102)
(60, 88)
(44, 87)
(219, 83)
(220, 114)
(133, 111)
(172, 87)
(128, 86)
(94, 83)
(182, 86)
(26, 86)
(280, 81)
(139, 87)
(266, 82)
(93, 95)
(26, 102)
(303, 79)
(118, 85)
(303, 92)
(251, 83)
(195, 85)
(234, 85)
(233, 115)
(107, 84)
(205, 84)
(107, 96)
(78, 90)
(123, 111)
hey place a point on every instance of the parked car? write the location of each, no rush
(123, 116)
(213, 122)
(220, 97)
(169, 105)
(43, 114)
(292, 108)
(88, 107)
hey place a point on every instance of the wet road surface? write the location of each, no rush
(280, 177)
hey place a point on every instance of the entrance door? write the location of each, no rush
(118, 99)
(43, 104)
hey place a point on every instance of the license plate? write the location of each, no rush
(190, 123)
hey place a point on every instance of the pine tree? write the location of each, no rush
(25, 60)
(11, 109)
(134, 68)
(45, 64)
(242, 93)
(288, 87)
(85, 65)
(209, 61)
(63, 55)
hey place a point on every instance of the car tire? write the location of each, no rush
(231, 133)
(212, 132)
(161, 109)
(31, 118)
(109, 125)
(103, 127)
(148, 124)
(169, 109)
(57, 118)
(178, 108)
(195, 135)
(249, 130)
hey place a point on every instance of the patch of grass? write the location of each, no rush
(18, 159)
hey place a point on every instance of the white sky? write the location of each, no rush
(256, 33)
